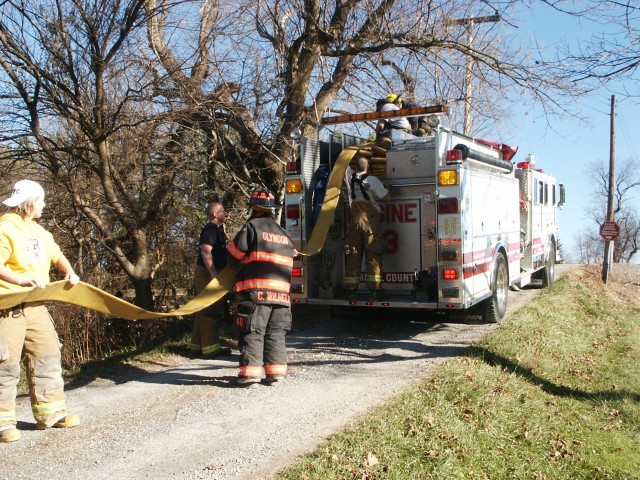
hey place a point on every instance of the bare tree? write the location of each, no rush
(70, 107)
(626, 190)
(285, 64)
(589, 248)
(613, 53)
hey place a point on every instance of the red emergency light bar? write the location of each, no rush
(403, 112)
(528, 166)
(454, 156)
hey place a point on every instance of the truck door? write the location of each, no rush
(401, 226)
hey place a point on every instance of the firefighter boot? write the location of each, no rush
(248, 382)
(384, 142)
(67, 421)
(271, 380)
(70, 420)
(10, 434)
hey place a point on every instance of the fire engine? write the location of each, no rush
(464, 225)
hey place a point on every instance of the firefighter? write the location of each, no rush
(419, 125)
(212, 258)
(363, 233)
(263, 284)
(27, 332)
(384, 127)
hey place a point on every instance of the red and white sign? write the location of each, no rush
(609, 230)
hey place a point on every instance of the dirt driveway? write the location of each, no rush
(188, 421)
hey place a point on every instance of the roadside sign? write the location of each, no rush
(609, 230)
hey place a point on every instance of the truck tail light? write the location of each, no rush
(294, 186)
(450, 274)
(293, 167)
(454, 156)
(447, 177)
(293, 211)
(448, 205)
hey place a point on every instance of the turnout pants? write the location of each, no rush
(27, 333)
(205, 338)
(263, 329)
(363, 237)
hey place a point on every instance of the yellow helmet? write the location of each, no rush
(392, 97)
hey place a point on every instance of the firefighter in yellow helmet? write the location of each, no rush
(27, 333)
(363, 234)
(263, 283)
(384, 127)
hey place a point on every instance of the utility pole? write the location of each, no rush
(469, 22)
(608, 244)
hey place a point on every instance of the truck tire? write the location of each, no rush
(549, 270)
(496, 305)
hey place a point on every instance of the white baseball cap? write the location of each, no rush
(23, 190)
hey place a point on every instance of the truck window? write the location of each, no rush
(546, 193)
(541, 193)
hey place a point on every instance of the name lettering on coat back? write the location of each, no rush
(275, 238)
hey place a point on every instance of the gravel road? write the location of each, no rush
(187, 420)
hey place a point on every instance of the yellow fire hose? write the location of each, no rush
(88, 296)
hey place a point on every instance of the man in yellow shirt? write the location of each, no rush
(27, 332)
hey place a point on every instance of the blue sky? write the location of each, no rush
(565, 148)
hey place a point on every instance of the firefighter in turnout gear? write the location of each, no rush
(384, 127)
(27, 332)
(263, 283)
(363, 233)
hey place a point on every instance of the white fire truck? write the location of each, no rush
(464, 224)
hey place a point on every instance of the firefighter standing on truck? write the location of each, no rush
(384, 127)
(363, 232)
(264, 282)
(27, 332)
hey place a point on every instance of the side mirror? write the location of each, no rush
(562, 196)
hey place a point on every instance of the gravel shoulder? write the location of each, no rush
(186, 420)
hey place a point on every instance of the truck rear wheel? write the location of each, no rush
(549, 271)
(496, 305)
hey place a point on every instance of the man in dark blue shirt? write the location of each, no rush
(212, 258)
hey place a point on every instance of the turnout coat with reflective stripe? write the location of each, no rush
(266, 252)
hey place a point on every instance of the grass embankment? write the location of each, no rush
(554, 393)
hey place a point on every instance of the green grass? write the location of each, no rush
(553, 394)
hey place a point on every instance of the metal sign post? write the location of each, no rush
(608, 226)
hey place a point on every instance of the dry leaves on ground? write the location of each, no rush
(623, 283)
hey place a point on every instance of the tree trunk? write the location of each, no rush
(144, 294)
